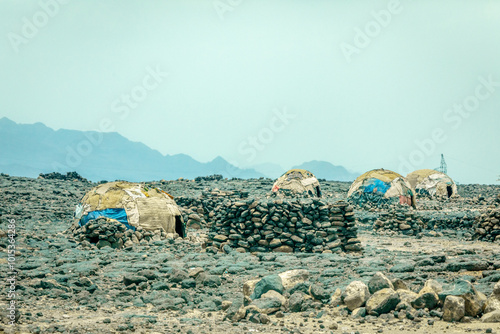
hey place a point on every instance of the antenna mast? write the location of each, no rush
(442, 167)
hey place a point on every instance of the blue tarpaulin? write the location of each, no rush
(375, 184)
(117, 214)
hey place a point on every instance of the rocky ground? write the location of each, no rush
(400, 283)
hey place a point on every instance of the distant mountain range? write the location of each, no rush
(31, 149)
(270, 170)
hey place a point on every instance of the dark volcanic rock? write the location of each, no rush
(272, 282)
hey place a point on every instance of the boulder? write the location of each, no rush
(291, 278)
(336, 298)
(492, 304)
(474, 303)
(360, 312)
(378, 282)
(296, 301)
(453, 308)
(491, 317)
(267, 305)
(399, 284)
(382, 301)
(434, 285)
(474, 300)
(428, 295)
(275, 295)
(248, 288)
(496, 290)
(428, 299)
(271, 282)
(356, 294)
(407, 296)
(319, 293)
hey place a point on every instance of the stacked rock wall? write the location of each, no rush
(108, 232)
(487, 226)
(199, 212)
(285, 226)
(400, 221)
(411, 222)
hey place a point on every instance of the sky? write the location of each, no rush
(362, 84)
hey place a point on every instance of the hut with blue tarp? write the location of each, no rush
(381, 186)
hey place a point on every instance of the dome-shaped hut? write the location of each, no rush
(297, 181)
(432, 183)
(381, 186)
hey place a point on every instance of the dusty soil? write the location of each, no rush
(65, 288)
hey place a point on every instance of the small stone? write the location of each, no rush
(133, 279)
(283, 249)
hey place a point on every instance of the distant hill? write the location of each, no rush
(328, 171)
(270, 170)
(31, 149)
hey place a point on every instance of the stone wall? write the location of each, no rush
(285, 226)
(199, 212)
(487, 226)
(108, 232)
(410, 222)
(403, 221)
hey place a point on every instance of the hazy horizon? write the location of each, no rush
(365, 85)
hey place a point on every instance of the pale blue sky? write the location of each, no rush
(229, 72)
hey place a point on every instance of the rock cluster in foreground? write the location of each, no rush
(291, 291)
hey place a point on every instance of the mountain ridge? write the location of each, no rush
(31, 149)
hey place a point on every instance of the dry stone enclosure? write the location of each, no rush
(286, 226)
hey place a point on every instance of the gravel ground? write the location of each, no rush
(175, 286)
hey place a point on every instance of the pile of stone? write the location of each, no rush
(199, 212)
(487, 226)
(372, 201)
(449, 220)
(193, 212)
(399, 220)
(70, 176)
(292, 291)
(459, 301)
(410, 222)
(476, 190)
(289, 194)
(215, 177)
(105, 232)
(285, 226)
